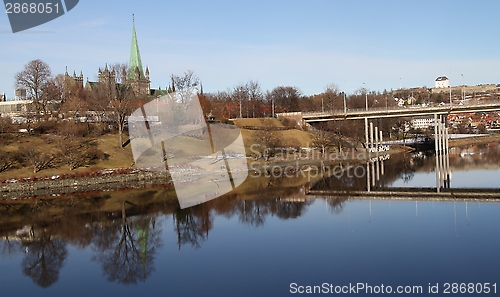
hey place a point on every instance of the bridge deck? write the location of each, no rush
(490, 105)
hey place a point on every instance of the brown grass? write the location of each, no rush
(122, 157)
(118, 157)
(258, 122)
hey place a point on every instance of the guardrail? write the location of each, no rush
(410, 109)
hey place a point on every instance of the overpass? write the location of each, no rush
(372, 113)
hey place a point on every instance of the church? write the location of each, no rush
(136, 78)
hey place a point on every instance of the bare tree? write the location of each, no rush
(268, 142)
(185, 85)
(37, 159)
(240, 95)
(322, 139)
(255, 97)
(73, 152)
(34, 78)
(52, 95)
(285, 99)
(115, 98)
(76, 100)
(5, 124)
(8, 160)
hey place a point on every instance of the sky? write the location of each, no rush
(306, 44)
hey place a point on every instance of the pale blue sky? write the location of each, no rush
(307, 44)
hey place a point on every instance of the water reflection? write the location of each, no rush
(123, 229)
(192, 225)
(401, 169)
(44, 257)
(126, 248)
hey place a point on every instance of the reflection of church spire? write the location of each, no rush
(135, 63)
(142, 231)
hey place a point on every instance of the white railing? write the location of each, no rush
(466, 105)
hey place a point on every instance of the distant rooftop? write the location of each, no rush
(441, 78)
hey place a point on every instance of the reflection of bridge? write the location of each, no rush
(464, 194)
(485, 105)
(374, 171)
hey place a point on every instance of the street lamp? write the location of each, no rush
(463, 88)
(451, 103)
(366, 96)
(345, 105)
(272, 106)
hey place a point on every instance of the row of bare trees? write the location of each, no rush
(249, 100)
(245, 100)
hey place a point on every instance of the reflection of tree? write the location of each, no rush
(291, 210)
(9, 247)
(126, 251)
(336, 204)
(406, 168)
(44, 258)
(254, 212)
(192, 225)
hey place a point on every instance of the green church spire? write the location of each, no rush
(135, 56)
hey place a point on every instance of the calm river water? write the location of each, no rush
(269, 239)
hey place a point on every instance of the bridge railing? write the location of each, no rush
(470, 103)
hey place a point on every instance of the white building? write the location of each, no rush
(442, 82)
(422, 123)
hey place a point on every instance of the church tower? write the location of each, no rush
(139, 82)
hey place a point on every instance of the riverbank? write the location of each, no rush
(123, 178)
(106, 182)
(474, 140)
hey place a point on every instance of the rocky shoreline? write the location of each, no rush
(88, 184)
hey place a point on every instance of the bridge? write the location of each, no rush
(383, 112)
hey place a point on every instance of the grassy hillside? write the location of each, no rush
(17, 144)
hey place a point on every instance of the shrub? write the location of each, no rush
(46, 128)
(95, 154)
(72, 129)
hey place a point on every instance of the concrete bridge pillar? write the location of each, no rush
(371, 135)
(366, 132)
(441, 146)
